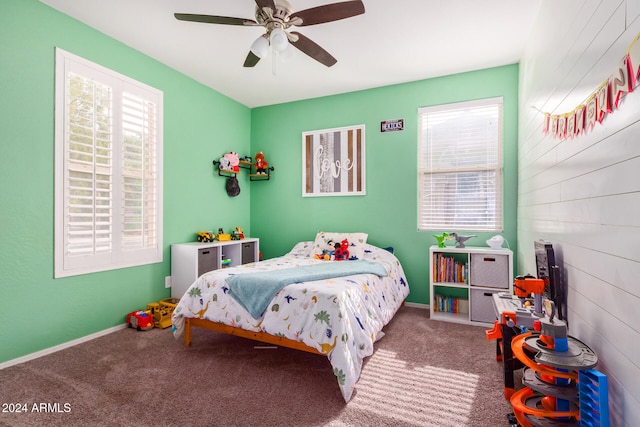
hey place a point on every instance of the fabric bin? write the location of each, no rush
(489, 270)
(481, 306)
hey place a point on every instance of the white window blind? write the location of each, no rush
(108, 169)
(460, 166)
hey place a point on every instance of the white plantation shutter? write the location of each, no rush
(139, 186)
(108, 169)
(89, 167)
(460, 166)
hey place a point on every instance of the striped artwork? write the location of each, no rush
(333, 162)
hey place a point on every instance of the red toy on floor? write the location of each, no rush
(140, 319)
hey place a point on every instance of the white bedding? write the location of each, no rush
(341, 317)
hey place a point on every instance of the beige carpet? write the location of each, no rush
(423, 373)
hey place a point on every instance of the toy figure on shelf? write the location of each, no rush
(205, 236)
(224, 164)
(460, 239)
(234, 161)
(261, 164)
(221, 236)
(238, 234)
(441, 238)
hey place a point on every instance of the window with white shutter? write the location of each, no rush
(108, 171)
(460, 166)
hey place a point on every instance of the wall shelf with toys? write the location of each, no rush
(230, 165)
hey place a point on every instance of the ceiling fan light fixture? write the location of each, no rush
(260, 47)
(278, 39)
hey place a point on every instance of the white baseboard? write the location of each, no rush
(59, 347)
(417, 305)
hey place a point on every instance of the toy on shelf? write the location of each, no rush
(261, 167)
(229, 162)
(205, 236)
(225, 263)
(460, 240)
(229, 165)
(234, 160)
(261, 164)
(141, 320)
(222, 236)
(441, 238)
(238, 234)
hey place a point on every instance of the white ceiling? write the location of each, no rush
(393, 42)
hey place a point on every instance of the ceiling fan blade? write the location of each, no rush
(328, 12)
(251, 60)
(266, 3)
(312, 49)
(211, 19)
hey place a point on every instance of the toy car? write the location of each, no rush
(205, 236)
(140, 319)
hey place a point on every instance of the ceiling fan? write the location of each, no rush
(277, 16)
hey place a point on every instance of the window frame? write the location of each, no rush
(150, 250)
(423, 222)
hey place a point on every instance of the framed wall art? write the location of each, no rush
(333, 162)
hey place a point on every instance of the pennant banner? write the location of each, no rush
(603, 101)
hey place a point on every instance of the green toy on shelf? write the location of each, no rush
(441, 238)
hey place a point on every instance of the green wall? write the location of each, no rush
(280, 216)
(200, 125)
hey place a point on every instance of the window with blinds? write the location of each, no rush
(108, 169)
(460, 166)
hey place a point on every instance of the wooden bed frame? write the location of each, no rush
(190, 322)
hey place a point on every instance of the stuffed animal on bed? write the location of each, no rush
(342, 251)
(325, 255)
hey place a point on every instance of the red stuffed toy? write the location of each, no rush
(342, 251)
(261, 165)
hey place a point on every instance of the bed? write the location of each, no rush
(338, 317)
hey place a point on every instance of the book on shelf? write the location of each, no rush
(449, 269)
(443, 304)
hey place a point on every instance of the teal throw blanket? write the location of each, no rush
(254, 291)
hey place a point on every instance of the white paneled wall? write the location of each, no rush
(583, 194)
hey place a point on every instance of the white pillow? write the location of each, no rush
(301, 250)
(326, 241)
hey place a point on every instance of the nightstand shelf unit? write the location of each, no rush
(462, 282)
(191, 260)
